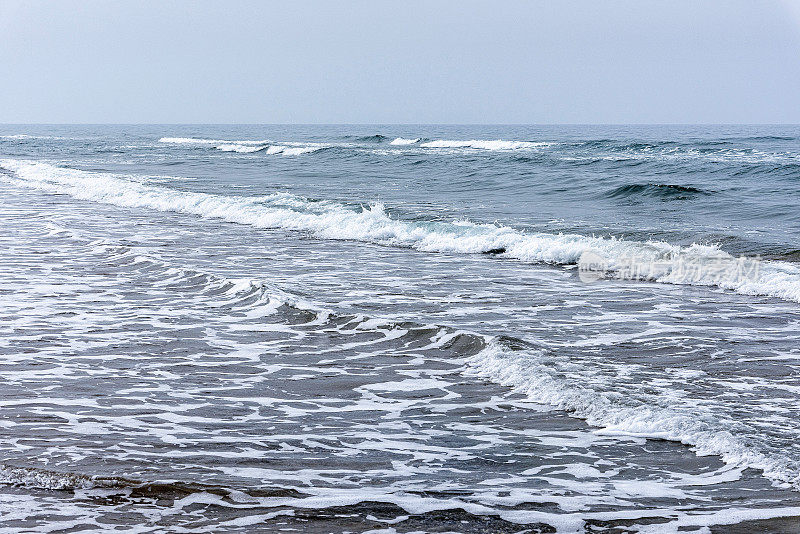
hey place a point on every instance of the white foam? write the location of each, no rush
(523, 371)
(293, 150)
(190, 141)
(244, 149)
(247, 146)
(38, 478)
(654, 261)
(26, 136)
(497, 144)
(728, 516)
(202, 141)
(402, 141)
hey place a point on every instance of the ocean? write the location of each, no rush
(209, 328)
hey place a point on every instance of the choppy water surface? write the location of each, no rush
(353, 328)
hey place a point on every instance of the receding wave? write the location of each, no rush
(37, 478)
(654, 261)
(507, 361)
(44, 479)
(630, 417)
(664, 191)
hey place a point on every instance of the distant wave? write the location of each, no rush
(196, 141)
(497, 144)
(270, 149)
(26, 136)
(762, 138)
(664, 191)
(654, 261)
(377, 138)
(579, 152)
(402, 141)
(294, 150)
(247, 147)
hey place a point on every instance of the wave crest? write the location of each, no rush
(497, 144)
(664, 191)
(653, 260)
(400, 141)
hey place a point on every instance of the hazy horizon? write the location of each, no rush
(598, 124)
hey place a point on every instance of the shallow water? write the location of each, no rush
(228, 328)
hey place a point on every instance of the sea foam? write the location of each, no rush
(653, 261)
(401, 141)
(628, 417)
(247, 147)
(244, 149)
(497, 144)
(193, 141)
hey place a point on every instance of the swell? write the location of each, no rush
(377, 138)
(655, 261)
(762, 138)
(662, 191)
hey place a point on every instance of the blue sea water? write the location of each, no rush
(436, 328)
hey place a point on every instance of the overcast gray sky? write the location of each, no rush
(458, 61)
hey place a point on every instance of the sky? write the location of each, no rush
(434, 61)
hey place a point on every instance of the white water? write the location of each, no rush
(497, 144)
(628, 416)
(196, 141)
(653, 261)
(247, 147)
(402, 141)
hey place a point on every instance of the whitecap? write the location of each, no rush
(402, 141)
(497, 144)
(655, 261)
(243, 149)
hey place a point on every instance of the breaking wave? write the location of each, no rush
(197, 141)
(497, 144)
(400, 141)
(655, 261)
(247, 147)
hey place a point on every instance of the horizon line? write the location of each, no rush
(399, 124)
